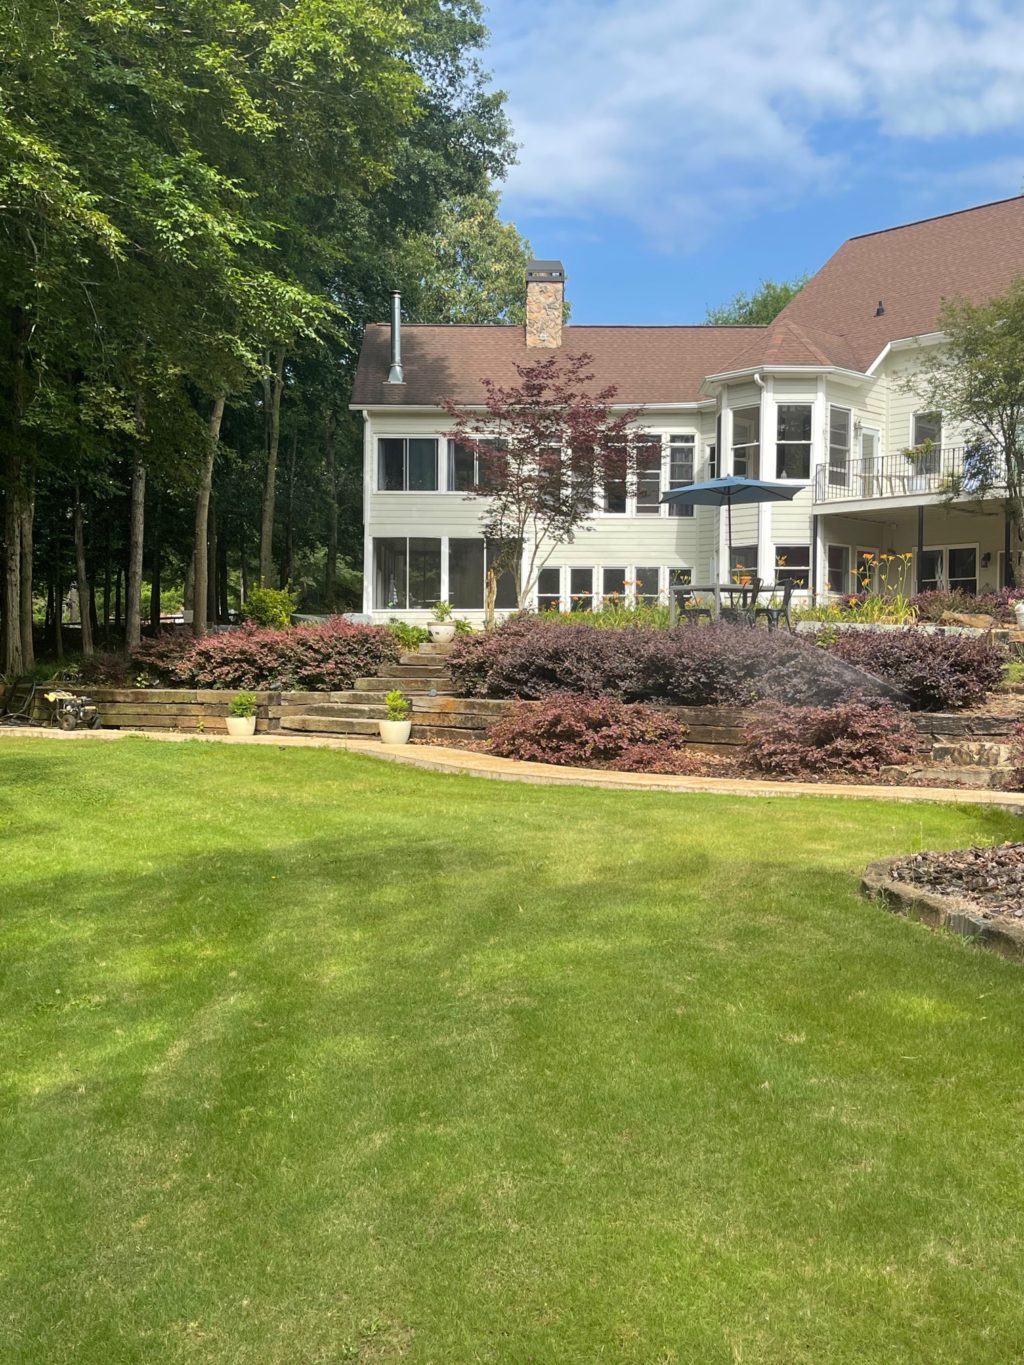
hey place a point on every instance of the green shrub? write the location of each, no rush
(244, 704)
(398, 705)
(270, 607)
(409, 637)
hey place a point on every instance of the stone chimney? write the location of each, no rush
(545, 295)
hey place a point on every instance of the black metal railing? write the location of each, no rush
(956, 470)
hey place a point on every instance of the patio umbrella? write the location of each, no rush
(727, 491)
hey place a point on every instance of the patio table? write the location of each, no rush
(716, 591)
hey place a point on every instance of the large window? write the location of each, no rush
(472, 469)
(746, 443)
(581, 589)
(744, 561)
(506, 598)
(466, 574)
(793, 446)
(926, 430)
(549, 590)
(407, 464)
(793, 565)
(406, 573)
(839, 578)
(681, 455)
(648, 476)
(839, 427)
(645, 585)
(613, 584)
(952, 567)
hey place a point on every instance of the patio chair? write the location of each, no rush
(743, 614)
(772, 614)
(691, 611)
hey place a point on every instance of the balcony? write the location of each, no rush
(957, 470)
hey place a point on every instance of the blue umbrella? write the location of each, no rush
(726, 491)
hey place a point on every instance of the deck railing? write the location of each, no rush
(949, 469)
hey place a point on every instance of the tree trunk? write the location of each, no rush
(58, 613)
(81, 578)
(243, 572)
(136, 534)
(117, 599)
(211, 561)
(273, 383)
(222, 578)
(155, 567)
(289, 543)
(14, 659)
(108, 579)
(28, 512)
(200, 546)
(331, 571)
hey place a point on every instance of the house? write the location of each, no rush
(817, 397)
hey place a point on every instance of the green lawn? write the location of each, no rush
(308, 1058)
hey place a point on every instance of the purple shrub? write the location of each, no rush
(936, 672)
(566, 728)
(857, 739)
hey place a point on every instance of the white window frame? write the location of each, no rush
(834, 470)
(943, 583)
(851, 559)
(406, 492)
(787, 478)
(748, 446)
(664, 435)
(931, 463)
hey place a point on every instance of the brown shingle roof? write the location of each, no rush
(976, 253)
(646, 364)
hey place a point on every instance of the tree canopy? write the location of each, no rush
(201, 204)
(760, 307)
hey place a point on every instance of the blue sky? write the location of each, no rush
(674, 152)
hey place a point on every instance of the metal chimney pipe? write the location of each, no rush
(395, 374)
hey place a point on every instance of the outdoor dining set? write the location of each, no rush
(743, 603)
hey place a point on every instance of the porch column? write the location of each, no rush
(815, 551)
(920, 547)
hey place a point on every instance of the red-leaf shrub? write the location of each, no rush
(936, 672)
(321, 658)
(691, 666)
(566, 728)
(858, 738)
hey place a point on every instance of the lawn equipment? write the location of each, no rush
(71, 712)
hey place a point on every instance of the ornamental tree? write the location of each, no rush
(545, 449)
(976, 380)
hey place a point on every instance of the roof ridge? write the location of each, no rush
(591, 326)
(935, 217)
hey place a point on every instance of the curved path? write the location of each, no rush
(464, 762)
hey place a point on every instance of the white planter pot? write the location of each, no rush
(395, 731)
(1018, 611)
(241, 725)
(441, 632)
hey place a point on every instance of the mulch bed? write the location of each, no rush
(993, 878)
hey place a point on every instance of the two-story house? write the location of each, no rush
(818, 397)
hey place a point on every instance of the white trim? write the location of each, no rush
(903, 344)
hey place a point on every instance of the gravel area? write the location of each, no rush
(993, 878)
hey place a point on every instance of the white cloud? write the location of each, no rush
(679, 113)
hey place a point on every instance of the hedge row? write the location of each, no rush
(327, 657)
(723, 664)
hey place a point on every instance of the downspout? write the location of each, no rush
(759, 381)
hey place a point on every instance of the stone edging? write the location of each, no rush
(953, 913)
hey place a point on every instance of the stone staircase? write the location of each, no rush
(420, 675)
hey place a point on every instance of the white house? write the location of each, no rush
(816, 397)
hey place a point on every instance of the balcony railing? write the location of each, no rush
(949, 469)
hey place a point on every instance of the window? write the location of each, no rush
(407, 464)
(679, 578)
(681, 450)
(793, 565)
(962, 569)
(615, 495)
(746, 442)
(645, 585)
(648, 476)
(549, 590)
(581, 589)
(839, 447)
(466, 574)
(744, 561)
(926, 430)
(406, 573)
(838, 561)
(793, 448)
(713, 462)
(613, 583)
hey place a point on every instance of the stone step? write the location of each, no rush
(442, 687)
(329, 725)
(425, 655)
(972, 754)
(418, 671)
(341, 710)
(967, 776)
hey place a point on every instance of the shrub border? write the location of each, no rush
(954, 914)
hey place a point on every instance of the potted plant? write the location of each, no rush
(397, 728)
(242, 714)
(442, 628)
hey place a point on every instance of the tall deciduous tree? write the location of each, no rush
(545, 449)
(761, 306)
(976, 380)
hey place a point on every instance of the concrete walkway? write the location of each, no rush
(463, 762)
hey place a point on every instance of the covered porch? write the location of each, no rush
(963, 547)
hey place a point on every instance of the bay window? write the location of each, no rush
(793, 441)
(681, 457)
(407, 464)
(839, 427)
(746, 443)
